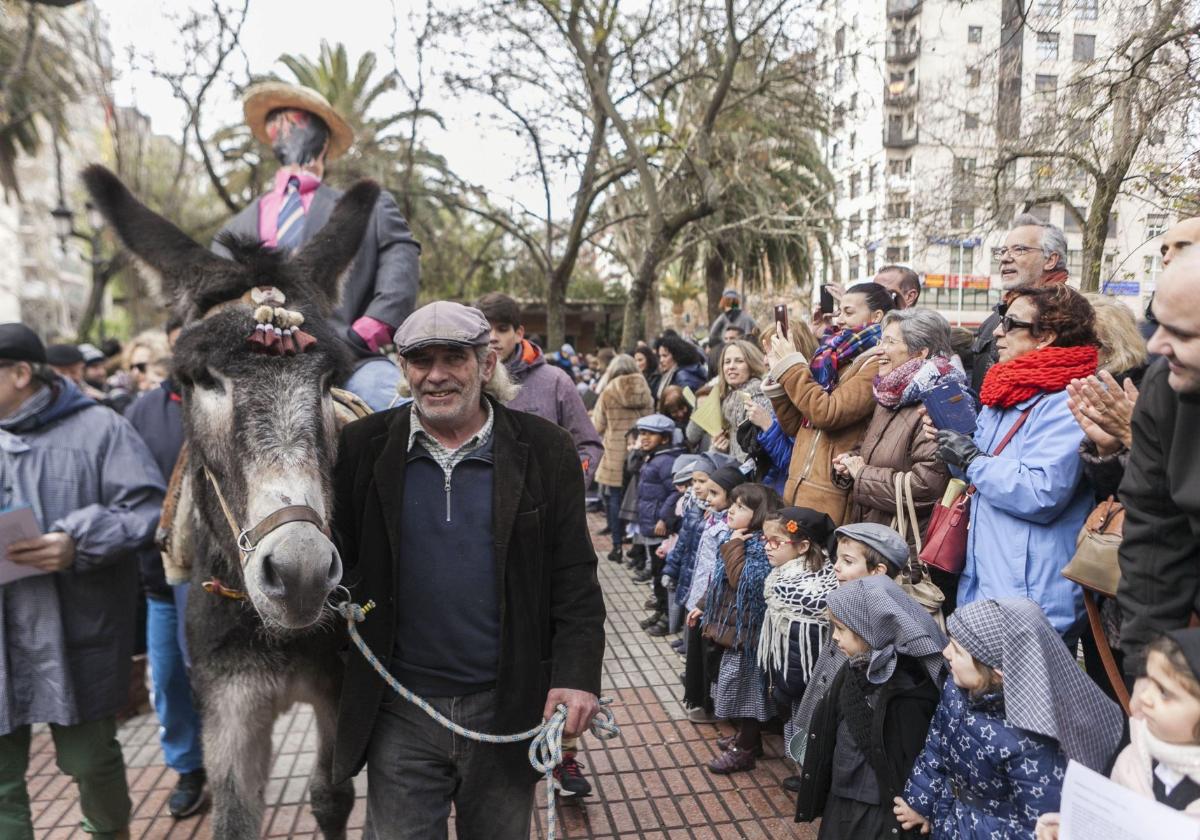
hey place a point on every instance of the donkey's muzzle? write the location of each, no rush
(294, 570)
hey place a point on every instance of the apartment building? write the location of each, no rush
(924, 93)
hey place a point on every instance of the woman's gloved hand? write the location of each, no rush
(956, 449)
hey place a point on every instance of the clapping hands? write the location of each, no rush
(1104, 410)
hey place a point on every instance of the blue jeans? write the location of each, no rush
(375, 382)
(179, 724)
(612, 512)
(416, 769)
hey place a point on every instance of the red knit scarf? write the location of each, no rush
(1048, 370)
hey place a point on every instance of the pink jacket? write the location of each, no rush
(1134, 767)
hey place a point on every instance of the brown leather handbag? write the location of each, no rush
(1095, 567)
(946, 536)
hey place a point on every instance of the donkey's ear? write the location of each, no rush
(185, 270)
(326, 258)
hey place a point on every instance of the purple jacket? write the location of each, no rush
(548, 392)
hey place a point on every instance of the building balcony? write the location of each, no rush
(902, 51)
(900, 95)
(903, 9)
(899, 139)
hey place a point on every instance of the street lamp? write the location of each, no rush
(64, 225)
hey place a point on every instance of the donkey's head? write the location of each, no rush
(262, 425)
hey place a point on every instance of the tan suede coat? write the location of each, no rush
(836, 423)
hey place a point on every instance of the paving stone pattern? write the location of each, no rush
(649, 783)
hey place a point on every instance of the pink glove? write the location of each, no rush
(373, 332)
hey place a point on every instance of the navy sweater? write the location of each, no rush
(448, 610)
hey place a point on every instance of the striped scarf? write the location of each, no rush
(839, 349)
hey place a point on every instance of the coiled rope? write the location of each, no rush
(545, 748)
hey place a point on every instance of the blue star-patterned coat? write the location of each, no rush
(979, 778)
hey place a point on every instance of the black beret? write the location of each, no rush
(18, 343)
(63, 355)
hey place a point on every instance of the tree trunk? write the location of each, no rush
(92, 310)
(634, 328)
(1095, 234)
(714, 281)
(556, 311)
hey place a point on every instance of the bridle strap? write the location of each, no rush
(247, 540)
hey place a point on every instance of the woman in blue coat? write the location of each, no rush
(1030, 499)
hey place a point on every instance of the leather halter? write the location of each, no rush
(247, 539)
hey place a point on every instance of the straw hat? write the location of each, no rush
(265, 97)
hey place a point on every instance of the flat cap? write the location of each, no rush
(659, 423)
(18, 343)
(682, 468)
(91, 354)
(63, 355)
(881, 538)
(443, 322)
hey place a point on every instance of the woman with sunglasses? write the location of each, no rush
(1030, 500)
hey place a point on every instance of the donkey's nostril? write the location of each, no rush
(272, 585)
(333, 575)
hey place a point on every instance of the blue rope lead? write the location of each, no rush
(545, 748)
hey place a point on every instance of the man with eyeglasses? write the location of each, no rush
(1160, 552)
(1033, 254)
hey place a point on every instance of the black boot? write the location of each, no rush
(651, 620)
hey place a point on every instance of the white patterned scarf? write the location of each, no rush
(794, 595)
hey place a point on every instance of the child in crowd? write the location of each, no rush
(1162, 761)
(871, 724)
(864, 549)
(656, 496)
(683, 474)
(733, 612)
(796, 624)
(1018, 707)
(634, 458)
(703, 659)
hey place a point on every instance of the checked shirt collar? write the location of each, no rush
(444, 456)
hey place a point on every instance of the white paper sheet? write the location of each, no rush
(15, 525)
(1096, 808)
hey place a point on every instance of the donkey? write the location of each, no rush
(261, 438)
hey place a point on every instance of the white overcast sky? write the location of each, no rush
(474, 150)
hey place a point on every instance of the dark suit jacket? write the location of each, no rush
(383, 280)
(551, 607)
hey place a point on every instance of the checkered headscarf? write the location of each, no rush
(892, 623)
(1045, 690)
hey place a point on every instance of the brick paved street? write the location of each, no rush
(650, 783)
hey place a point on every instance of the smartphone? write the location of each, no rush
(827, 302)
(781, 319)
(949, 406)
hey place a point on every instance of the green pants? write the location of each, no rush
(87, 752)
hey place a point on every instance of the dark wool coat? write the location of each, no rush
(1160, 573)
(551, 607)
(902, 709)
(979, 778)
(383, 279)
(656, 489)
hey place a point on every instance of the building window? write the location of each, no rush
(871, 171)
(1047, 46)
(1043, 83)
(852, 271)
(855, 183)
(967, 256)
(839, 40)
(1087, 9)
(970, 121)
(839, 74)
(974, 76)
(962, 216)
(896, 254)
(1050, 8)
(1085, 47)
(964, 169)
(974, 34)
(853, 140)
(870, 222)
(852, 227)
(1074, 261)
(1152, 265)
(900, 166)
(899, 209)
(1111, 232)
(1156, 225)
(870, 263)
